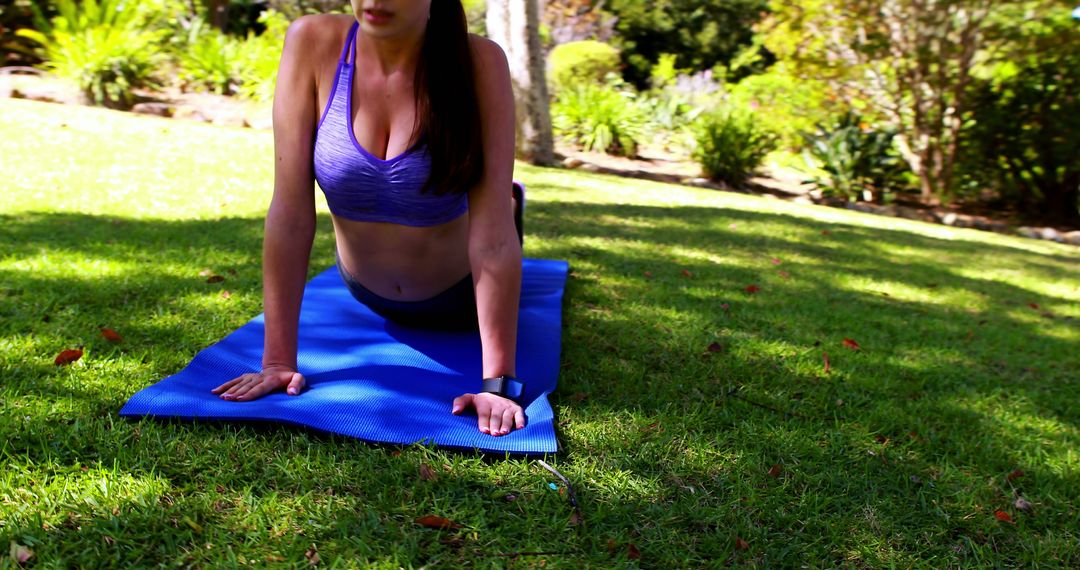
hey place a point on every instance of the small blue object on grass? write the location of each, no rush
(377, 381)
(1076, 13)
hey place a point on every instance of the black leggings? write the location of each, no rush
(453, 309)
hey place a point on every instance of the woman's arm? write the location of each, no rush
(494, 250)
(290, 221)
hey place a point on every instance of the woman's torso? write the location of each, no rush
(395, 261)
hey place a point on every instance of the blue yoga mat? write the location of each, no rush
(375, 380)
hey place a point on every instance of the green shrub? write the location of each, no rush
(260, 56)
(860, 163)
(211, 61)
(108, 48)
(785, 104)
(731, 145)
(600, 118)
(585, 61)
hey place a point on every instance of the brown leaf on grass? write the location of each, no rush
(741, 544)
(775, 471)
(111, 335)
(432, 521)
(686, 273)
(851, 344)
(1003, 516)
(215, 279)
(775, 261)
(825, 232)
(716, 347)
(230, 271)
(578, 396)
(312, 556)
(825, 357)
(1034, 306)
(611, 546)
(427, 473)
(648, 274)
(68, 356)
(784, 274)
(108, 539)
(752, 289)
(575, 519)
(724, 306)
(632, 552)
(881, 439)
(1014, 475)
(20, 553)
(226, 294)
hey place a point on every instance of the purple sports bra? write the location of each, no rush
(363, 187)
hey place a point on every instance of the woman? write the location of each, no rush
(407, 123)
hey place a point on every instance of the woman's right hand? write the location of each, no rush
(258, 384)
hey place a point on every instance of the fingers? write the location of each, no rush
(495, 423)
(247, 387)
(228, 384)
(483, 417)
(296, 384)
(507, 420)
(461, 402)
(519, 417)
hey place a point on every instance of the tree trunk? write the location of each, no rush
(218, 13)
(515, 26)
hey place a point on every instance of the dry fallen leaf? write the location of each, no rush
(215, 279)
(741, 544)
(825, 357)
(851, 344)
(752, 289)
(775, 470)
(686, 273)
(632, 552)
(68, 356)
(432, 521)
(725, 306)
(1003, 516)
(1034, 306)
(716, 347)
(226, 294)
(579, 396)
(312, 556)
(825, 232)
(775, 261)
(575, 519)
(20, 553)
(427, 473)
(784, 274)
(648, 274)
(1014, 475)
(111, 335)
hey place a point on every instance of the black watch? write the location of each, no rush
(506, 386)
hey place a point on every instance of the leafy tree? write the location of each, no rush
(700, 33)
(907, 62)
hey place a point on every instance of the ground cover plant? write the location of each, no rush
(745, 382)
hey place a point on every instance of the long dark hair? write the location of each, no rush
(448, 115)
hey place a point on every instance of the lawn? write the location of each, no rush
(699, 421)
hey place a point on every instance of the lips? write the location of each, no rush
(377, 16)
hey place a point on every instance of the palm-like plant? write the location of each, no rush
(106, 47)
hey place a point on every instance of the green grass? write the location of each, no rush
(898, 457)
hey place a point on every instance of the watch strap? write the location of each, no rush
(506, 386)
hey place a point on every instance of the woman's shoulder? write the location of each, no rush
(488, 56)
(318, 34)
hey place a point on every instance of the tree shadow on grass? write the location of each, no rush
(885, 460)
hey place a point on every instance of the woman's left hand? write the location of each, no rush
(495, 415)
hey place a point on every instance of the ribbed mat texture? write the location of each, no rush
(374, 380)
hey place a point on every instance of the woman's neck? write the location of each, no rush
(388, 55)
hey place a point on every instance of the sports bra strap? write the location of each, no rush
(348, 53)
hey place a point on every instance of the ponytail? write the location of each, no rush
(448, 115)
